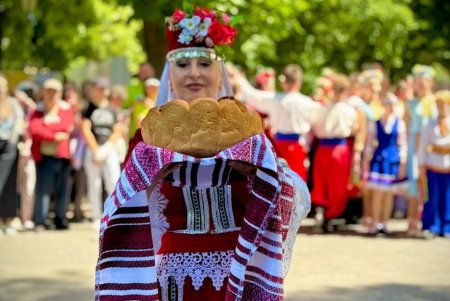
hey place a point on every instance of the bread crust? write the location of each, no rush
(201, 128)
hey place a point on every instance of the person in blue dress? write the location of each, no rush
(384, 167)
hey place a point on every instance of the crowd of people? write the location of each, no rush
(355, 137)
(359, 137)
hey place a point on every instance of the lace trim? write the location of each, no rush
(300, 209)
(157, 203)
(198, 266)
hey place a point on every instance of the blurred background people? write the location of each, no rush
(434, 166)
(50, 126)
(76, 191)
(289, 115)
(332, 125)
(140, 107)
(11, 126)
(101, 130)
(26, 93)
(384, 165)
(419, 111)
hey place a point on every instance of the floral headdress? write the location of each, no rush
(196, 33)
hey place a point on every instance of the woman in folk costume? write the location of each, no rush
(434, 165)
(334, 123)
(384, 168)
(419, 111)
(210, 222)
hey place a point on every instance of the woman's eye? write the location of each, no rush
(205, 63)
(181, 64)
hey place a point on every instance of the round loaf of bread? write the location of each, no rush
(201, 128)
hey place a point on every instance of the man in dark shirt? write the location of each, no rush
(101, 130)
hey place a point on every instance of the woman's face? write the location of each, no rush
(422, 86)
(193, 78)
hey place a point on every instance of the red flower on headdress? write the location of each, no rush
(221, 34)
(178, 15)
(204, 13)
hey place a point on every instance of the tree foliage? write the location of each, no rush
(68, 30)
(342, 34)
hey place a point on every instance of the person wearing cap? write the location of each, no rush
(434, 169)
(50, 126)
(101, 130)
(290, 114)
(136, 88)
(141, 107)
(179, 227)
(11, 127)
(384, 166)
(419, 111)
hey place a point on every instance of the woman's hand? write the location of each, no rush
(244, 168)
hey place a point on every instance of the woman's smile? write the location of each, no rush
(195, 87)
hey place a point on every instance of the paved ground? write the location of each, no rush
(59, 266)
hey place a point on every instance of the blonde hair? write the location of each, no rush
(443, 95)
(3, 81)
(340, 83)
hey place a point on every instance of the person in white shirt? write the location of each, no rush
(290, 114)
(434, 169)
(332, 125)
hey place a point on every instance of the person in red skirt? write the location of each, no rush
(333, 124)
(289, 115)
(180, 227)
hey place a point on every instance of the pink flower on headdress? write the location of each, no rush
(178, 15)
(226, 18)
(203, 13)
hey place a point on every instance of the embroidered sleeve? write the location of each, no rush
(263, 101)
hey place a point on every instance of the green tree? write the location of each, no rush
(342, 34)
(68, 30)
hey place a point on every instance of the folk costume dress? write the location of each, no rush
(331, 168)
(434, 154)
(205, 232)
(388, 154)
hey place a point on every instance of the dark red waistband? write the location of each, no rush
(178, 243)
